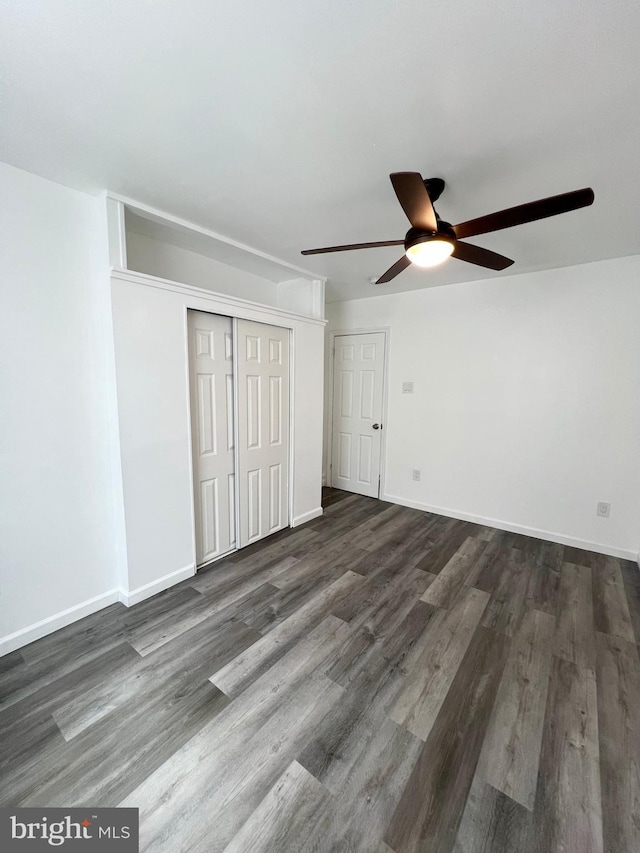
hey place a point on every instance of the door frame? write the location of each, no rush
(234, 318)
(336, 333)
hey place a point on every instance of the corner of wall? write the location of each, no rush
(307, 516)
(129, 597)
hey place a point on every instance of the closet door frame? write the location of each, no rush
(234, 318)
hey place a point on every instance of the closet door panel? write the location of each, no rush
(211, 388)
(263, 429)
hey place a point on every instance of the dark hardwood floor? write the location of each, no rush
(378, 680)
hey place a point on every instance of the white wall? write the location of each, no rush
(526, 409)
(153, 404)
(57, 542)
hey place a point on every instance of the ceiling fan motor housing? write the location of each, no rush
(435, 188)
(415, 235)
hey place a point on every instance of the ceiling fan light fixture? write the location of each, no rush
(431, 240)
(429, 252)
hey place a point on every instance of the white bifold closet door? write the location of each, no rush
(263, 429)
(212, 433)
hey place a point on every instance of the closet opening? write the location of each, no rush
(239, 388)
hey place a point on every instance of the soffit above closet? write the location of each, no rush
(211, 245)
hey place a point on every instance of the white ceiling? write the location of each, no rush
(278, 123)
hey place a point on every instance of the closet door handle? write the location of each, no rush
(376, 426)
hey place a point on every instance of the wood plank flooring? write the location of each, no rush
(380, 680)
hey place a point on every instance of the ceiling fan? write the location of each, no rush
(431, 240)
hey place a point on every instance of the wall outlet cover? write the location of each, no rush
(407, 387)
(603, 509)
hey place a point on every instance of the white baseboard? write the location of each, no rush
(134, 596)
(307, 516)
(27, 635)
(549, 535)
(59, 620)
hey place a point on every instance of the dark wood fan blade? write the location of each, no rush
(529, 212)
(477, 255)
(414, 198)
(347, 248)
(395, 270)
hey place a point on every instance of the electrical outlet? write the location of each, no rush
(416, 474)
(407, 387)
(603, 509)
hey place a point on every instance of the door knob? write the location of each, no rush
(376, 426)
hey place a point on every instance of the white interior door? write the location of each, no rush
(358, 370)
(212, 433)
(263, 429)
